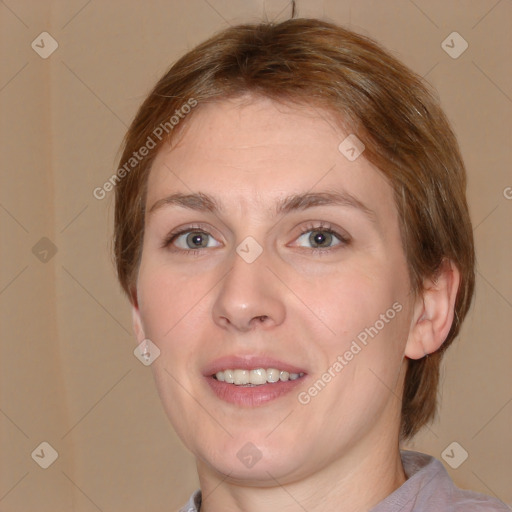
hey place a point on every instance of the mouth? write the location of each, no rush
(257, 377)
(251, 381)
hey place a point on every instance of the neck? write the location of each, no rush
(349, 484)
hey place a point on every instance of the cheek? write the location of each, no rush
(170, 306)
(376, 327)
(167, 304)
(166, 298)
(352, 299)
(368, 315)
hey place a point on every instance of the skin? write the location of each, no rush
(296, 303)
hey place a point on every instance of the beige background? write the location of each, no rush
(68, 373)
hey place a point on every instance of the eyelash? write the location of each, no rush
(321, 226)
(175, 234)
(325, 227)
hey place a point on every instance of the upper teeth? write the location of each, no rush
(255, 377)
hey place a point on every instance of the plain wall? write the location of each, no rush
(68, 373)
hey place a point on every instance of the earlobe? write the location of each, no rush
(434, 312)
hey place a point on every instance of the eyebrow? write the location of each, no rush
(295, 202)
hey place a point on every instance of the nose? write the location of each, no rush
(249, 297)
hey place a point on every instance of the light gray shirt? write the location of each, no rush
(428, 488)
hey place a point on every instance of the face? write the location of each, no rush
(274, 283)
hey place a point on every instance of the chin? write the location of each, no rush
(258, 462)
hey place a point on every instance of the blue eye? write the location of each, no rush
(190, 240)
(320, 239)
(196, 240)
(317, 238)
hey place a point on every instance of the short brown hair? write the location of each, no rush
(387, 106)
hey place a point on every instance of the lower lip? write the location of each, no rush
(252, 396)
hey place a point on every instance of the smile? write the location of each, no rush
(256, 377)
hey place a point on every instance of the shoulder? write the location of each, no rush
(431, 488)
(193, 504)
(469, 501)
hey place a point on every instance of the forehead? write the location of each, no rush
(254, 151)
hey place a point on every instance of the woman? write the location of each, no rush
(292, 231)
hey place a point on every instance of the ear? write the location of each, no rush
(433, 312)
(138, 329)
